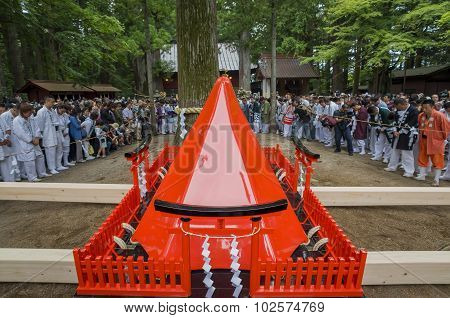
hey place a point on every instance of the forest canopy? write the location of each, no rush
(351, 42)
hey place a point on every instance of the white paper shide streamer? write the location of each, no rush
(207, 268)
(235, 280)
(142, 181)
(301, 180)
(182, 124)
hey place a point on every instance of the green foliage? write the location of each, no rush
(163, 69)
(388, 33)
(89, 41)
(99, 40)
(237, 16)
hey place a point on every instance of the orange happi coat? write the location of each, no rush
(436, 128)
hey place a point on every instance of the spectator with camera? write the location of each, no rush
(344, 128)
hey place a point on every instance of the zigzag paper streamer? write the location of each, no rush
(207, 268)
(301, 179)
(142, 181)
(182, 124)
(235, 280)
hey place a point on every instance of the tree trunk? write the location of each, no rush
(418, 58)
(158, 80)
(28, 59)
(375, 80)
(3, 88)
(13, 50)
(198, 65)
(337, 82)
(139, 73)
(357, 71)
(51, 60)
(273, 72)
(345, 78)
(244, 61)
(327, 77)
(410, 61)
(148, 51)
(39, 61)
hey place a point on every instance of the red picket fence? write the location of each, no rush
(101, 271)
(338, 273)
(276, 157)
(128, 277)
(321, 278)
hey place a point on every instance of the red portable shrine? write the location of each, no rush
(220, 216)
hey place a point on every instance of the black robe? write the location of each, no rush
(410, 121)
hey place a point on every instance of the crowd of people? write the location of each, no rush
(43, 139)
(410, 132)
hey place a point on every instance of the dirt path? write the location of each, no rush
(66, 225)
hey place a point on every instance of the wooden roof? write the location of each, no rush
(55, 86)
(59, 86)
(104, 88)
(420, 71)
(287, 67)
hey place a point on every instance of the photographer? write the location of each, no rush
(303, 113)
(344, 118)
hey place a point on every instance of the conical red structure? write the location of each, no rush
(220, 184)
(220, 178)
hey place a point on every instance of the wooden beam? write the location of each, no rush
(329, 196)
(406, 268)
(64, 192)
(382, 196)
(382, 268)
(37, 266)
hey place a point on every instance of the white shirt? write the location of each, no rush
(127, 113)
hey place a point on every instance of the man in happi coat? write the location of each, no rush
(403, 138)
(380, 127)
(433, 131)
(446, 112)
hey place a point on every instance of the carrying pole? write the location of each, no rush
(186, 253)
(254, 262)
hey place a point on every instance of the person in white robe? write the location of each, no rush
(319, 111)
(6, 120)
(65, 121)
(170, 121)
(6, 170)
(88, 126)
(59, 112)
(26, 129)
(48, 125)
(329, 132)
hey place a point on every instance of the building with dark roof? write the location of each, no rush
(428, 80)
(39, 89)
(292, 75)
